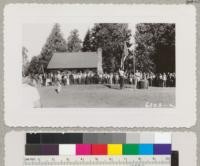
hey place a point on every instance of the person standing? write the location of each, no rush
(160, 80)
(116, 78)
(164, 79)
(64, 79)
(59, 77)
(79, 77)
(111, 78)
(137, 78)
(121, 78)
(58, 86)
(40, 80)
(130, 78)
(68, 79)
(150, 79)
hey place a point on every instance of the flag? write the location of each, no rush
(124, 55)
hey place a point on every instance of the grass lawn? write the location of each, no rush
(103, 96)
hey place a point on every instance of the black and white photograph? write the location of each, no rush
(99, 64)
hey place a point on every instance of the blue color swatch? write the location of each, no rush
(146, 149)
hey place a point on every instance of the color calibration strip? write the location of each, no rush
(98, 144)
(98, 149)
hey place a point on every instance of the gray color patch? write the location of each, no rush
(90, 138)
(147, 138)
(133, 138)
(118, 138)
(104, 138)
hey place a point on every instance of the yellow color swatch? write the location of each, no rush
(114, 149)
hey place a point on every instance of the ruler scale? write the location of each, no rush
(96, 160)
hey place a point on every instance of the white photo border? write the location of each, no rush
(184, 113)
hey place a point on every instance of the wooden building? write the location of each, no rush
(76, 61)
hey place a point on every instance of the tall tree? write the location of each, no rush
(87, 43)
(155, 47)
(111, 38)
(35, 65)
(55, 43)
(25, 61)
(74, 43)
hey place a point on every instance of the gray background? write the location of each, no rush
(4, 129)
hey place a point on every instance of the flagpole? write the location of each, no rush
(124, 55)
(133, 63)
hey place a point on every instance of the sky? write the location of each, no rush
(35, 35)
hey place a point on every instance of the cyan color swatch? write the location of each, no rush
(146, 149)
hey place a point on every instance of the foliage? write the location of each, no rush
(25, 62)
(55, 43)
(110, 37)
(34, 65)
(155, 47)
(74, 43)
(37, 65)
(87, 42)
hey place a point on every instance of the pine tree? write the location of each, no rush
(25, 61)
(87, 43)
(55, 43)
(74, 43)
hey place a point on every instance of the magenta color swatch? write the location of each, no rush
(83, 149)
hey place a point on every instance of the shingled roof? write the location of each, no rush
(68, 60)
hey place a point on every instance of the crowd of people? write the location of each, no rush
(90, 77)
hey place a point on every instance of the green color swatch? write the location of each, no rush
(130, 149)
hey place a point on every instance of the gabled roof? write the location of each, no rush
(73, 60)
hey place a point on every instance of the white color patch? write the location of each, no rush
(162, 138)
(67, 149)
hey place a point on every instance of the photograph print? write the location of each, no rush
(99, 65)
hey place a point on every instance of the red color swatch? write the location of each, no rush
(99, 149)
